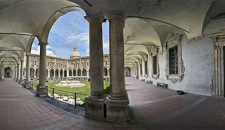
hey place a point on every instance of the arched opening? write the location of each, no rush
(105, 72)
(84, 72)
(46, 74)
(51, 73)
(127, 72)
(74, 72)
(70, 72)
(8, 73)
(79, 72)
(32, 73)
(61, 73)
(37, 73)
(57, 73)
(65, 73)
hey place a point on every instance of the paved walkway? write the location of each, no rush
(152, 107)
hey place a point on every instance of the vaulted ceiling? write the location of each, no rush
(148, 22)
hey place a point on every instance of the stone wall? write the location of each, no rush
(197, 56)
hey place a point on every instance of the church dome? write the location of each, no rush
(75, 53)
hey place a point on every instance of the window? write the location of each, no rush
(173, 60)
(35, 62)
(146, 67)
(154, 64)
(106, 62)
(48, 64)
(87, 63)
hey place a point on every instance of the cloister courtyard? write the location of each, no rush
(140, 64)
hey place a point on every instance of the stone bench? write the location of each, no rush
(162, 85)
(149, 81)
(142, 79)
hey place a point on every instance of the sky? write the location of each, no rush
(69, 30)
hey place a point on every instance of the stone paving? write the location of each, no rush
(152, 108)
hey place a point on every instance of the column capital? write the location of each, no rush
(28, 53)
(43, 43)
(120, 15)
(97, 16)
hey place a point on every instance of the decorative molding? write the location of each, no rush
(217, 87)
(145, 57)
(196, 39)
(172, 41)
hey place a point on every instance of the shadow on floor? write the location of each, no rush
(79, 110)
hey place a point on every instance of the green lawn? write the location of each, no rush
(82, 92)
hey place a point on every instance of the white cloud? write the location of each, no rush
(87, 51)
(36, 50)
(83, 37)
(106, 45)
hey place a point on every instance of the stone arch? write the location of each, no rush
(84, 72)
(51, 73)
(74, 72)
(56, 73)
(8, 72)
(70, 72)
(105, 72)
(65, 73)
(32, 73)
(61, 73)
(127, 72)
(54, 17)
(37, 72)
(46, 71)
(79, 72)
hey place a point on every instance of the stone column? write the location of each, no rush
(63, 74)
(28, 82)
(15, 73)
(95, 101)
(35, 73)
(54, 74)
(108, 72)
(42, 89)
(67, 73)
(21, 73)
(81, 72)
(87, 72)
(59, 73)
(18, 68)
(117, 102)
(76, 72)
(49, 73)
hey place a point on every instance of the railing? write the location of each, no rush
(74, 94)
(55, 90)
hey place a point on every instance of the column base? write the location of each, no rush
(94, 108)
(117, 110)
(28, 84)
(22, 82)
(42, 90)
